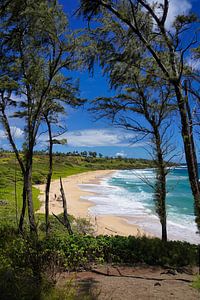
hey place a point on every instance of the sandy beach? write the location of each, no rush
(107, 224)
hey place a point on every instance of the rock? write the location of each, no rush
(170, 272)
(157, 284)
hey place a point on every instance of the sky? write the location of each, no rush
(83, 132)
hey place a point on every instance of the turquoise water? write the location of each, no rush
(128, 193)
(179, 197)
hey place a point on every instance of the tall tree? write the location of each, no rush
(63, 93)
(153, 103)
(37, 49)
(147, 23)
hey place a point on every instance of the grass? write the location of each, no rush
(196, 283)
(10, 199)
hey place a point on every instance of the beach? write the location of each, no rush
(78, 206)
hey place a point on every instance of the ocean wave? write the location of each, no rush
(120, 203)
(134, 174)
(181, 167)
(176, 177)
(125, 194)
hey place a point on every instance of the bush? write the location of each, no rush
(27, 269)
(39, 177)
(82, 226)
(196, 283)
(80, 251)
(153, 251)
(29, 265)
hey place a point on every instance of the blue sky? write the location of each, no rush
(83, 132)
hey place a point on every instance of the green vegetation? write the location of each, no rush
(10, 201)
(196, 283)
(29, 266)
(80, 251)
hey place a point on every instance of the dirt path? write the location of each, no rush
(126, 283)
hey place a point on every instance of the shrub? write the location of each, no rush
(29, 265)
(80, 251)
(152, 251)
(27, 269)
(82, 226)
(196, 283)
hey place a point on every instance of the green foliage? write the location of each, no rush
(82, 226)
(77, 251)
(66, 292)
(196, 283)
(34, 41)
(7, 191)
(27, 270)
(29, 265)
(134, 250)
(80, 251)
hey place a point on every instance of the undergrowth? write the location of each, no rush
(29, 265)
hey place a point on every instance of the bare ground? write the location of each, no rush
(129, 283)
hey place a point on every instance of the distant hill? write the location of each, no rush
(65, 165)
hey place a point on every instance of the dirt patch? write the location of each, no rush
(128, 283)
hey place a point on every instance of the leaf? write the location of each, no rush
(59, 142)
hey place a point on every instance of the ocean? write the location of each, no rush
(127, 194)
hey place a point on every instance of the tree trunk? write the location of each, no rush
(28, 199)
(47, 190)
(49, 176)
(163, 217)
(66, 220)
(31, 214)
(190, 153)
(160, 192)
(164, 230)
(28, 187)
(22, 216)
(21, 164)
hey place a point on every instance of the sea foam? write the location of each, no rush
(128, 193)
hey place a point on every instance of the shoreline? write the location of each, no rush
(78, 207)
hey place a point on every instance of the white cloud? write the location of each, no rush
(16, 133)
(100, 138)
(122, 154)
(95, 138)
(176, 7)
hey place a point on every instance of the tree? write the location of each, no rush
(34, 45)
(63, 93)
(146, 23)
(154, 104)
(84, 153)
